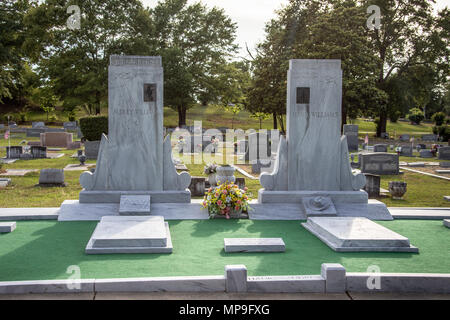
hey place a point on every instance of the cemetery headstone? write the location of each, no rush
(14, 152)
(313, 156)
(135, 157)
(380, 148)
(444, 153)
(426, 153)
(258, 147)
(91, 149)
(372, 186)
(35, 132)
(39, 152)
(404, 138)
(56, 139)
(429, 137)
(351, 132)
(70, 125)
(51, 178)
(38, 125)
(380, 163)
(406, 151)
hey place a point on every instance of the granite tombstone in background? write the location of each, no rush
(134, 158)
(380, 163)
(444, 153)
(380, 148)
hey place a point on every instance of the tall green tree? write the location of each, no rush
(195, 42)
(406, 38)
(76, 60)
(12, 37)
(316, 30)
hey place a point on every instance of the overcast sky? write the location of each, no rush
(251, 16)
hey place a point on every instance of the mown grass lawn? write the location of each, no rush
(423, 191)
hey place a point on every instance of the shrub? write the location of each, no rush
(443, 132)
(416, 115)
(23, 116)
(438, 118)
(93, 127)
(394, 116)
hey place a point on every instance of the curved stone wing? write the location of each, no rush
(278, 179)
(349, 180)
(173, 181)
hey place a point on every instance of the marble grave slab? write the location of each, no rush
(254, 245)
(117, 234)
(350, 234)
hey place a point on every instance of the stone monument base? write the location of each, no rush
(342, 203)
(347, 234)
(114, 196)
(116, 234)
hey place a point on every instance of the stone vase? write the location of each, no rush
(397, 189)
(225, 174)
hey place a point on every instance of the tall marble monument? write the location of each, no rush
(313, 165)
(134, 159)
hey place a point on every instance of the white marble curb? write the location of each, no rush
(333, 279)
(399, 282)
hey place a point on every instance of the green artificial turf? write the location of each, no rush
(39, 250)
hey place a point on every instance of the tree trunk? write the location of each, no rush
(97, 103)
(343, 117)
(181, 116)
(282, 129)
(381, 127)
(275, 122)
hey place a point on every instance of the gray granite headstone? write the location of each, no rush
(70, 125)
(51, 177)
(406, 151)
(380, 163)
(38, 125)
(444, 153)
(351, 132)
(429, 137)
(404, 138)
(39, 152)
(14, 152)
(258, 147)
(425, 153)
(380, 148)
(372, 186)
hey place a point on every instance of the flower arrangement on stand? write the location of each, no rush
(227, 201)
(210, 170)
